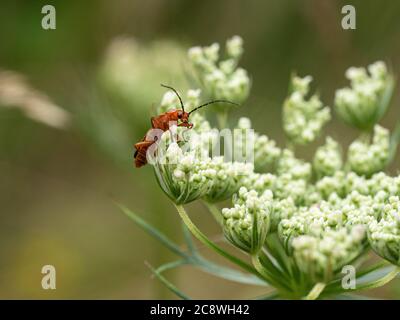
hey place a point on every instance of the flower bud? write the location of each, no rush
(221, 78)
(384, 235)
(364, 103)
(303, 119)
(246, 225)
(366, 159)
(328, 158)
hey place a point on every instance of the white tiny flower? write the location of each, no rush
(365, 101)
(303, 119)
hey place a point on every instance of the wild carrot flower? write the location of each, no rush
(364, 103)
(246, 224)
(303, 118)
(222, 79)
(365, 158)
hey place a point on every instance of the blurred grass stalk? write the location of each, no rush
(16, 92)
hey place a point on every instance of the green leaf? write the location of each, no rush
(168, 284)
(171, 265)
(153, 231)
(194, 259)
(228, 273)
(189, 241)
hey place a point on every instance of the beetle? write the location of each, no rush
(162, 122)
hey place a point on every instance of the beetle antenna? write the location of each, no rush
(211, 102)
(176, 92)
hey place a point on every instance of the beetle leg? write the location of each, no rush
(142, 144)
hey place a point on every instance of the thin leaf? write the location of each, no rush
(228, 273)
(168, 284)
(195, 259)
(188, 239)
(171, 265)
(153, 231)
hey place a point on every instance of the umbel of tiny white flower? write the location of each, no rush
(266, 153)
(325, 237)
(384, 234)
(228, 178)
(322, 255)
(187, 173)
(365, 158)
(170, 101)
(297, 168)
(293, 177)
(328, 158)
(182, 176)
(303, 119)
(246, 225)
(364, 103)
(222, 79)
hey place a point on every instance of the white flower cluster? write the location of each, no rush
(367, 159)
(183, 176)
(326, 236)
(384, 234)
(328, 158)
(222, 79)
(188, 173)
(366, 100)
(228, 178)
(321, 256)
(170, 101)
(246, 225)
(266, 153)
(303, 119)
(341, 184)
(290, 165)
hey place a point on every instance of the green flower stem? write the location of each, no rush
(316, 291)
(222, 118)
(269, 275)
(203, 239)
(257, 264)
(214, 211)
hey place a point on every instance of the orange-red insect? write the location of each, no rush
(162, 122)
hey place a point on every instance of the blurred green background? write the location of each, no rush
(103, 65)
